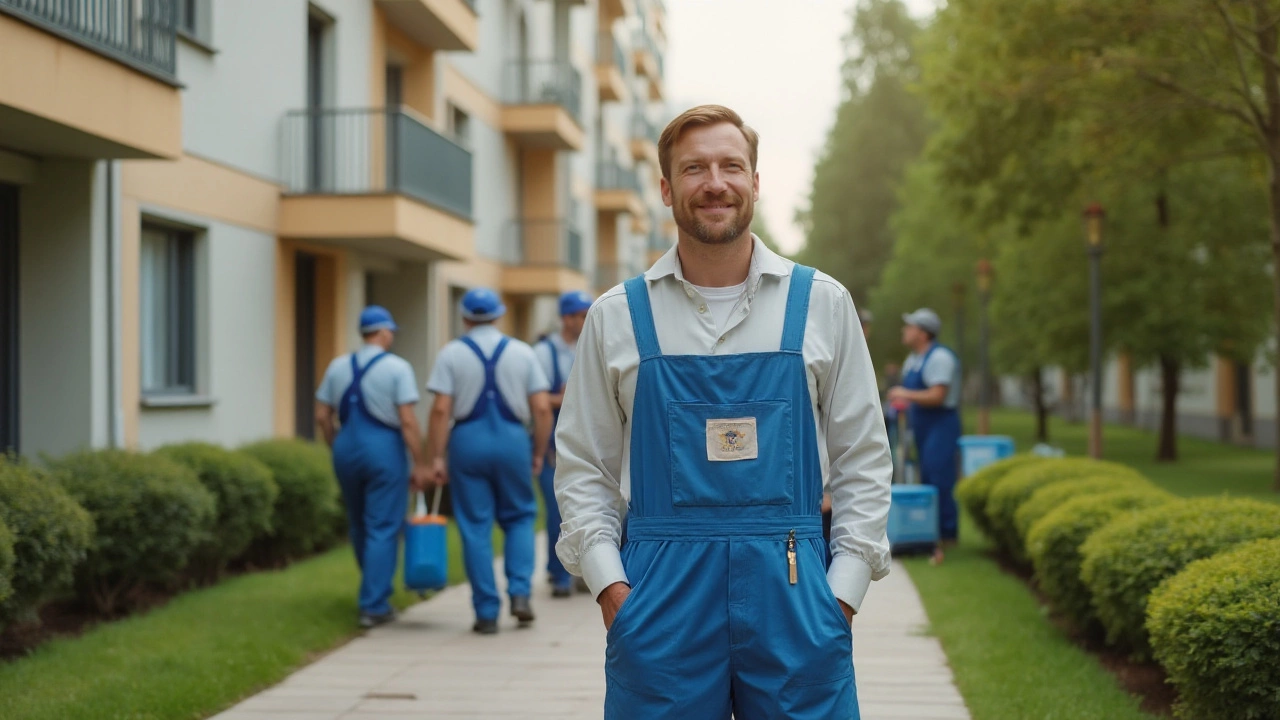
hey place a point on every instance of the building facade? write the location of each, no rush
(197, 197)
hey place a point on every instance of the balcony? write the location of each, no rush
(436, 24)
(546, 258)
(618, 190)
(93, 79)
(378, 180)
(611, 10)
(649, 61)
(542, 104)
(611, 69)
(644, 139)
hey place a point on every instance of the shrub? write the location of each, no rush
(1054, 541)
(307, 509)
(1013, 489)
(1215, 627)
(1126, 560)
(246, 495)
(6, 562)
(52, 535)
(151, 514)
(972, 491)
(1044, 499)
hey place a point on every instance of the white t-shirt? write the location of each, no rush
(721, 301)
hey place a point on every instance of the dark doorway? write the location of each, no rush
(9, 278)
(316, 116)
(304, 308)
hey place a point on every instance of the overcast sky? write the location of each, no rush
(777, 62)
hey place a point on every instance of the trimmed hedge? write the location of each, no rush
(52, 536)
(972, 492)
(1215, 627)
(307, 510)
(1049, 497)
(1125, 561)
(151, 515)
(1054, 541)
(1015, 488)
(246, 494)
(6, 561)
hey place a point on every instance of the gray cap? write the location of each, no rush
(925, 319)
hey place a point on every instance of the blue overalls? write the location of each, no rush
(730, 610)
(372, 466)
(547, 481)
(937, 437)
(490, 470)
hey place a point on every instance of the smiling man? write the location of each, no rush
(706, 399)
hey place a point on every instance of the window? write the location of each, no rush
(193, 20)
(168, 311)
(459, 125)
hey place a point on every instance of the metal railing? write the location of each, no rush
(537, 82)
(545, 242)
(365, 151)
(644, 128)
(612, 176)
(139, 33)
(609, 50)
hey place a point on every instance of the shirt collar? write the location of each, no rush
(485, 329)
(763, 262)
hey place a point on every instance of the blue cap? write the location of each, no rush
(482, 305)
(574, 302)
(374, 318)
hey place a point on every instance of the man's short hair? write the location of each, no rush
(702, 116)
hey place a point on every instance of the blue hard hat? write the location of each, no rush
(574, 302)
(374, 318)
(482, 305)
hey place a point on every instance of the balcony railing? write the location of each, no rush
(139, 33)
(644, 128)
(612, 176)
(608, 50)
(538, 82)
(361, 152)
(545, 243)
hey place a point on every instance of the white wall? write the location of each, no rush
(239, 272)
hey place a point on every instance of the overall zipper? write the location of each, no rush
(791, 557)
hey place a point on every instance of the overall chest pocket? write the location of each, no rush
(736, 454)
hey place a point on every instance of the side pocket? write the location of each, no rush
(637, 559)
(824, 588)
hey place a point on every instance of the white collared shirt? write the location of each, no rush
(593, 438)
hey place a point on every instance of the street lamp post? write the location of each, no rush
(984, 391)
(1093, 219)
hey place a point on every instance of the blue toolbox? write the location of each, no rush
(913, 518)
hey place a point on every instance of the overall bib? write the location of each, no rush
(730, 610)
(547, 482)
(490, 470)
(937, 437)
(372, 466)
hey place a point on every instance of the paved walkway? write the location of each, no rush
(429, 664)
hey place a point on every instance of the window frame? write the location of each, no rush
(182, 374)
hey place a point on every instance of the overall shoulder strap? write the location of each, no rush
(797, 308)
(642, 318)
(474, 348)
(555, 365)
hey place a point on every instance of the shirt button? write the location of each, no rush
(720, 341)
(702, 308)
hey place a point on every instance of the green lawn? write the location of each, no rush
(1010, 661)
(200, 653)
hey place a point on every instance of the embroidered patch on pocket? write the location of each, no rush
(732, 439)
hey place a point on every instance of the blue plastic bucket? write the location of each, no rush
(979, 451)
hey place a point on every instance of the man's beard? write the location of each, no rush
(703, 233)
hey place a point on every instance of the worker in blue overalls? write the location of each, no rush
(374, 394)
(931, 384)
(703, 394)
(490, 387)
(555, 354)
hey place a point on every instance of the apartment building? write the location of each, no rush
(198, 196)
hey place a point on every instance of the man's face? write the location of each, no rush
(911, 335)
(713, 189)
(573, 324)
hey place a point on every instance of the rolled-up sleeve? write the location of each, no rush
(861, 468)
(589, 449)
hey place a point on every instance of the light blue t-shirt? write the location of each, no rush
(943, 368)
(387, 385)
(459, 373)
(565, 354)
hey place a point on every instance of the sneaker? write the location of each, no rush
(521, 609)
(368, 621)
(485, 627)
(562, 591)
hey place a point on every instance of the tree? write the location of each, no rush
(760, 226)
(879, 128)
